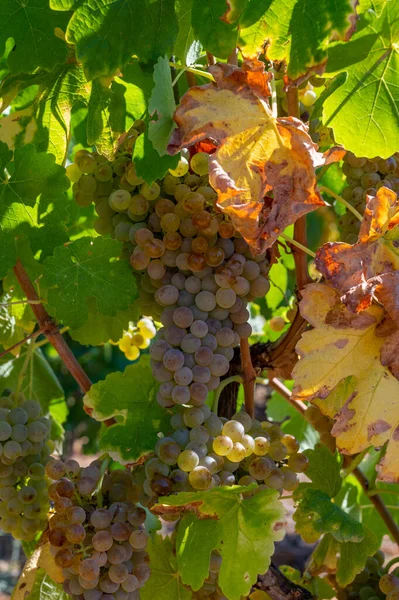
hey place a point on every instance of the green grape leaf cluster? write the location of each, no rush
(316, 513)
(32, 201)
(232, 523)
(88, 268)
(367, 97)
(130, 397)
(165, 581)
(32, 26)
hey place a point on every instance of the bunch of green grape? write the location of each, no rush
(97, 533)
(136, 338)
(24, 451)
(203, 451)
(196, 273)
(373, 583)
(322, 424)
(363, 178)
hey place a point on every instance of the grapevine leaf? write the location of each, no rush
(368, 268)
(88, 268)
(32, 25)
(343, 345)
(149, 165)
(318, 586)
(162, 103)
(252, 147)
(313, 26)
(64, 87)
(32, 201)
(185, 47)
(316, 508)
(107, 32)
(217, 36)
(136, 81)
(99, 128)
(346, 559)
(240, 526)
(194, 534)
(40, 568)
(164, 581)
(130, 395)
(100, 329)
(367, 99)
(324, 470)
(39, 383)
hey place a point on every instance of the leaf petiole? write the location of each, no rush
(326, 190)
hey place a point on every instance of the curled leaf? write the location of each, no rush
(264, 168)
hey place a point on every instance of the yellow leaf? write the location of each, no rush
(257, 154)
(340, 366)
(40, 559)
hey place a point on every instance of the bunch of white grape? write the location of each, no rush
(363, 178)
(196, 273)
(137, 337)
(203, 451)
(97, 532)
(24, 450)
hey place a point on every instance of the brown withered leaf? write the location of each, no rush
(367, 269)
(264, 168)
(340, 370)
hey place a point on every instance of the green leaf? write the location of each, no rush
(324, 470)
(239, 526)
(100, 329)
(313, 26)
(130, 395)
(278, 285)
(315, 508)
(162, 103)
(217, 36)
(318, 586)
(164, 582)
(137, 83)
(39, 383)
(368, 98)
(184, 47)
(32, 201)
(99, 128)
(149, 165)
(107, 32)
(196, 539)
(348, 559)
(88, 268)
(32, 25)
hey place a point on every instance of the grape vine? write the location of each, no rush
(199, 233)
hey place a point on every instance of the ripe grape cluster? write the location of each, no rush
(373, 583)
(196, 273)
(138, 337)
(363, 178)
(322, 424)
(203, 451)
(24, 450)
(97, 532)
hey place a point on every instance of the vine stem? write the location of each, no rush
(248, 377)
(326, 190)
(362, 479)
(298, 245)
(49, 328)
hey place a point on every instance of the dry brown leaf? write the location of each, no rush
(263, 168)
(367, 269)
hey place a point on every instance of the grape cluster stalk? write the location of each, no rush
(97, 533)
(24, 451)
(363, 178)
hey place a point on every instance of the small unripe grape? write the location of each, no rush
(222, 445)
(200, 478)
(277, 323)
(181, 169)
(298, 463)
